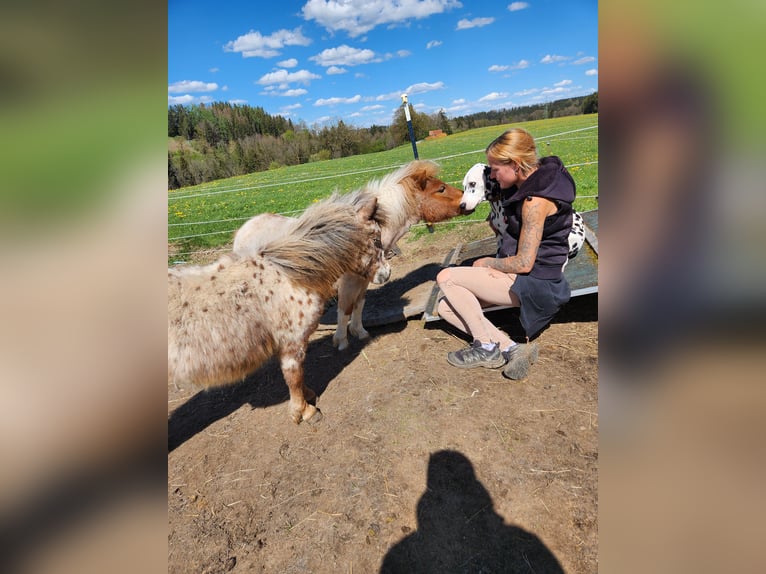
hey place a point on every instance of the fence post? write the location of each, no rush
(409, 125)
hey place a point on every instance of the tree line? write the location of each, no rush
(218, 140)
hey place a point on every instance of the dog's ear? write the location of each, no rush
(491, 187)
(485, 173)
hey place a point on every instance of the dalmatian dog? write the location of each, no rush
(478, 187)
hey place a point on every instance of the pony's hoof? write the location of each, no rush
(362, 335)
(342, 345)
(314, 417)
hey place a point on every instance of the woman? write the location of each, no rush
(527, 272)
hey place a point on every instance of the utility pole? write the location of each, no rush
(409, 124)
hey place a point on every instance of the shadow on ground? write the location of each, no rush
(459, 530)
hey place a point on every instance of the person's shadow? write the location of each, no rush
(459, 531)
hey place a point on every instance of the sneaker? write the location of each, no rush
(519, 358)
(476, 356)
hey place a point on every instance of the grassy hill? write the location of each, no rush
(205, 216)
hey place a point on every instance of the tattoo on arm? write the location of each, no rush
(533, 214)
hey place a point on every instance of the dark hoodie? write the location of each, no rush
(544, 289)
(552, 181)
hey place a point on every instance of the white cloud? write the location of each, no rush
(563, 83)
(292, 107)
(553, 91)
(522, 64)
(526, 92)
(294, 93)
(289, 63)
(336, 101)
(192, 86)
(592, 72)
(514, 6)
(187, 99)
(182, 100)
(376, 107)
(335, 70)
(285, 77)
(493, 96)
(238, 102)
(550, 59)
(465, 24)
(433, 44)
(255, 45)
(214, 70)
(420, 88)
(357, 18)
(424, 87)
(345, 56)
(585, 60)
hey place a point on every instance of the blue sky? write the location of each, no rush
(319, 61)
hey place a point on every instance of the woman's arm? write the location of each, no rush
(533, 213)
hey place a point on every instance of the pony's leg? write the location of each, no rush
(348, 289)
(340, 338)
(355, 326)
(291, 361)
(351, 292)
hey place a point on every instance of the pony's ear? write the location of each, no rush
(366, 211)
(423, 173)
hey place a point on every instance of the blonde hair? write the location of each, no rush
(514, 146)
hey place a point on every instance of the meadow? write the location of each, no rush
(204, 217)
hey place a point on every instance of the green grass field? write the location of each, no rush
(206, 216)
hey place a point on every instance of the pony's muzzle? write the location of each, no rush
(382, 275)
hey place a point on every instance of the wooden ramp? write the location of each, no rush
(412, 292)
(581, 272)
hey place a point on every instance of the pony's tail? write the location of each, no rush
(324, 243)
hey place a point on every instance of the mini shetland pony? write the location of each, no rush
(411, 194)
(478, 187)
(227, 318)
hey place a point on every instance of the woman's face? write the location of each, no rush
(506, 174)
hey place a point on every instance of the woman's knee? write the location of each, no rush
(443, 276)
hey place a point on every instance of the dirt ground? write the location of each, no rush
(416, 466)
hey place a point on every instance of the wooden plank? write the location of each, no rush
(590, 219)
(581, 272)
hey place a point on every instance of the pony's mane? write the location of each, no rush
(397, 193)
(325, 242)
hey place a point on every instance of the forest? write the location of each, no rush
(219, 140)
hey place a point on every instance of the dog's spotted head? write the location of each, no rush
(477, 187)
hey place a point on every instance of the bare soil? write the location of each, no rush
(416, 466)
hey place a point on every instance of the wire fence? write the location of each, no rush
(219, 191)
